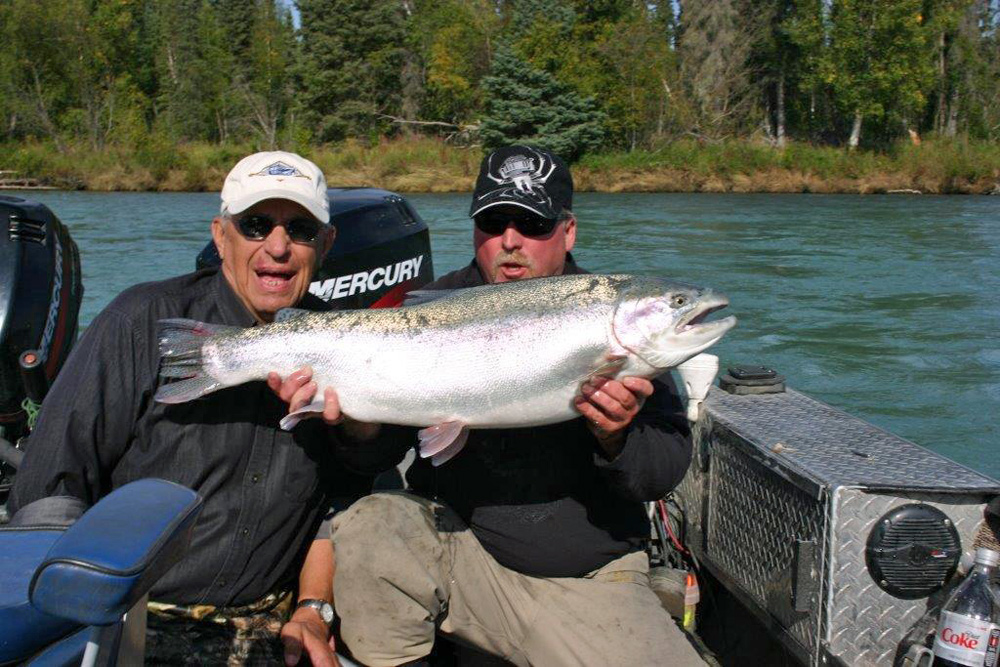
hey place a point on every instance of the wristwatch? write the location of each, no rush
(324, 608)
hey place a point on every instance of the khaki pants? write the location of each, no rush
(406, 565)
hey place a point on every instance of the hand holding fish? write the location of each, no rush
(609, 406)
(299, 390)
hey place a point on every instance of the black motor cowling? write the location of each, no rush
(40, 294)
(382, 250)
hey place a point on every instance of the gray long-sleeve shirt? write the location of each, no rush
(266, 490)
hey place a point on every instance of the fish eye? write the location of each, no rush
(678, 301)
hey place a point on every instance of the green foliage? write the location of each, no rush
(529, 106)
(351, 62)
(579, 76)
(876, 62)
(452, 40)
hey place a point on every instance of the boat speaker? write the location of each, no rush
(913, 551)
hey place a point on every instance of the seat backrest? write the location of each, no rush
(105, 562)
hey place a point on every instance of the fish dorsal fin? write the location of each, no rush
(419, 296)
(286, 314)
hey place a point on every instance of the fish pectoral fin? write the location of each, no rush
(443, 441)
(612, 365)
(286, 314)
(314, 409)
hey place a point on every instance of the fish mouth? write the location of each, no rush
(694, 320)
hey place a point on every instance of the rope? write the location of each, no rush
(31, 409)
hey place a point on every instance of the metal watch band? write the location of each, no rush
(324, 608)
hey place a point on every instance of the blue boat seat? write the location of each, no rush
(23, 628)
(52, 582)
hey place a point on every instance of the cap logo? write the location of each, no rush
(280, 169)
(521, 171)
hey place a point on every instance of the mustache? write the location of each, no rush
(512, 258)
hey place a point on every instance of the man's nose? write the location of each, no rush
(511, 238)
(277, 244)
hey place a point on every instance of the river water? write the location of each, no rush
(883, 306)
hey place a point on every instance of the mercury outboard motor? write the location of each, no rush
(382, 250)
(40, 293)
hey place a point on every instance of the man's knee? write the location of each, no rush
(381, 525)
(381, 512)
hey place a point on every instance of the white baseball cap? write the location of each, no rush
(276, 175)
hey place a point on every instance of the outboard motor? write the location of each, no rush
(40, 294)
(382, 250)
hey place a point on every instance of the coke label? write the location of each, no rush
(963, 640)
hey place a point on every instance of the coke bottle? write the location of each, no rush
(968, 632)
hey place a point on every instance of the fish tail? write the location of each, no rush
(181, 344)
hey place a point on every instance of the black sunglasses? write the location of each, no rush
(526, 224)
(258, 227)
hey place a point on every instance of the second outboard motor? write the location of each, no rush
(40, 294)
(382, 250)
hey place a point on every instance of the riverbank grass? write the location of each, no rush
(429, 165)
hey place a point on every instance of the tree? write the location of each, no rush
(983, 69)
(773, 60)
(265, 81)
(877, 62)
(632, 65)
(453, 40)
(352, 58)
(806, 30)
(714, 49)
(529, 106)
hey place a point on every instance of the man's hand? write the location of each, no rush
(298, 390)
(306, 632)
(610, 406)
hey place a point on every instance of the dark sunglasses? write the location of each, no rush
(259, 226)
(526, 224)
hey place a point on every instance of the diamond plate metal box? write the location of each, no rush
(779, 501)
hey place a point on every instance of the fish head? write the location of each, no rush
(664, 322)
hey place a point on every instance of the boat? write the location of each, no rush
(815, 538)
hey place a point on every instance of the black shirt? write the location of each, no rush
(545, 501)
(266, 490)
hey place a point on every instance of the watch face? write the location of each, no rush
(324, 608)
(326, 612)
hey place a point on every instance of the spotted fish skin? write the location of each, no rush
(495, 356)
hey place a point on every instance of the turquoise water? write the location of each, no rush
(883, 306)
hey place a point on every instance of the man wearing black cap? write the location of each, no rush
(529, 543)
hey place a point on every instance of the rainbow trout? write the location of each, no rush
(496, 356)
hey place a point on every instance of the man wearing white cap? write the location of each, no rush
(267, 492)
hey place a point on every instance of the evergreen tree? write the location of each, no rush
(186, 97)
(352, 58)
(529, 106)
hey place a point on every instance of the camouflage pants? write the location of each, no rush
(206, 635)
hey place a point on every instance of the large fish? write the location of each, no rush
(507, 355)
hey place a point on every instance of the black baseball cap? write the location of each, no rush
(531, 178)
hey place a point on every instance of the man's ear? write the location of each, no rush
(326, 242)
(570, 235)
(219, 235)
